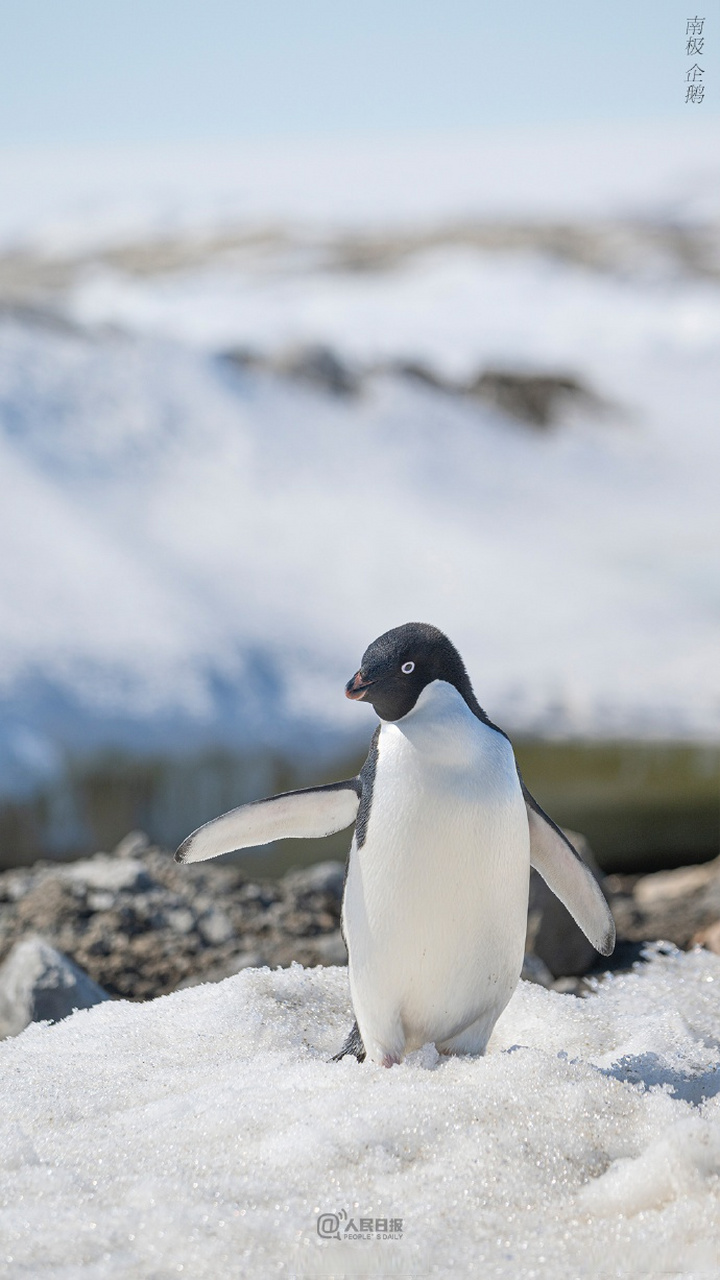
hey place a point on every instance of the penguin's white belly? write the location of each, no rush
(436, 898)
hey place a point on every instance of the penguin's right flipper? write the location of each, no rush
(313, 812)
(353, 1046)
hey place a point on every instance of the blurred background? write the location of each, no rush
(320, 318)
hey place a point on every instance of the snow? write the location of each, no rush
(203, 1134)
(217, 513)
(194, 553)
(70, 201)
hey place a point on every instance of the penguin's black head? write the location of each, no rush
(398, 665)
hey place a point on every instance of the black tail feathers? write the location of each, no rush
(353, 1045)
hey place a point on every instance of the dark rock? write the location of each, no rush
(38, 984)
(418, 372)
(538, 399)
(243, 357)
(168, 924)
(320, 367)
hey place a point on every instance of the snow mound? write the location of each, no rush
(205, 1133)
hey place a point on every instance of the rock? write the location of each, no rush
(419, 372)
(665, 886)
(101, 900)
(243, 357)
(534, 970)
(141, 942)
(534, 398)
(330, 948)
(570, 986)
(245, 960)
(48, 900)
(181, 920)
(319, 366)
(38, 983)
(17, 886)
(323, 877)
(215, 928)
(677, 905)
(709, 938)
(107, 872)
(553, 936)
(168, 926)
(227, 969)
(132, 845)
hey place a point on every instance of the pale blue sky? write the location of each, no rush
(126, 71)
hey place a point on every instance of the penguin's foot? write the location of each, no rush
(353, 1046)
(390, 1060)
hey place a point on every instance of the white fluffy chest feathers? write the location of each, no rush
(443, 748)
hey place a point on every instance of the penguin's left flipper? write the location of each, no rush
(564, 871)
(313, 812)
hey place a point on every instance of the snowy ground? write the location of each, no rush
(193, 552)
(204, 1133)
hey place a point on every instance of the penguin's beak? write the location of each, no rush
(357, 687)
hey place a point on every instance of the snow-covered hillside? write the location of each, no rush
(205, 1134)
(197, 550)
(75, 200)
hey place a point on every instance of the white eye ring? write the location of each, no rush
(407, 667)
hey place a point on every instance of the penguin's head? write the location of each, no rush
(397, 666)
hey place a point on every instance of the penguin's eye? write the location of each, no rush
(407, 667)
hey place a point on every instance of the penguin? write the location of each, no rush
(435, 902)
